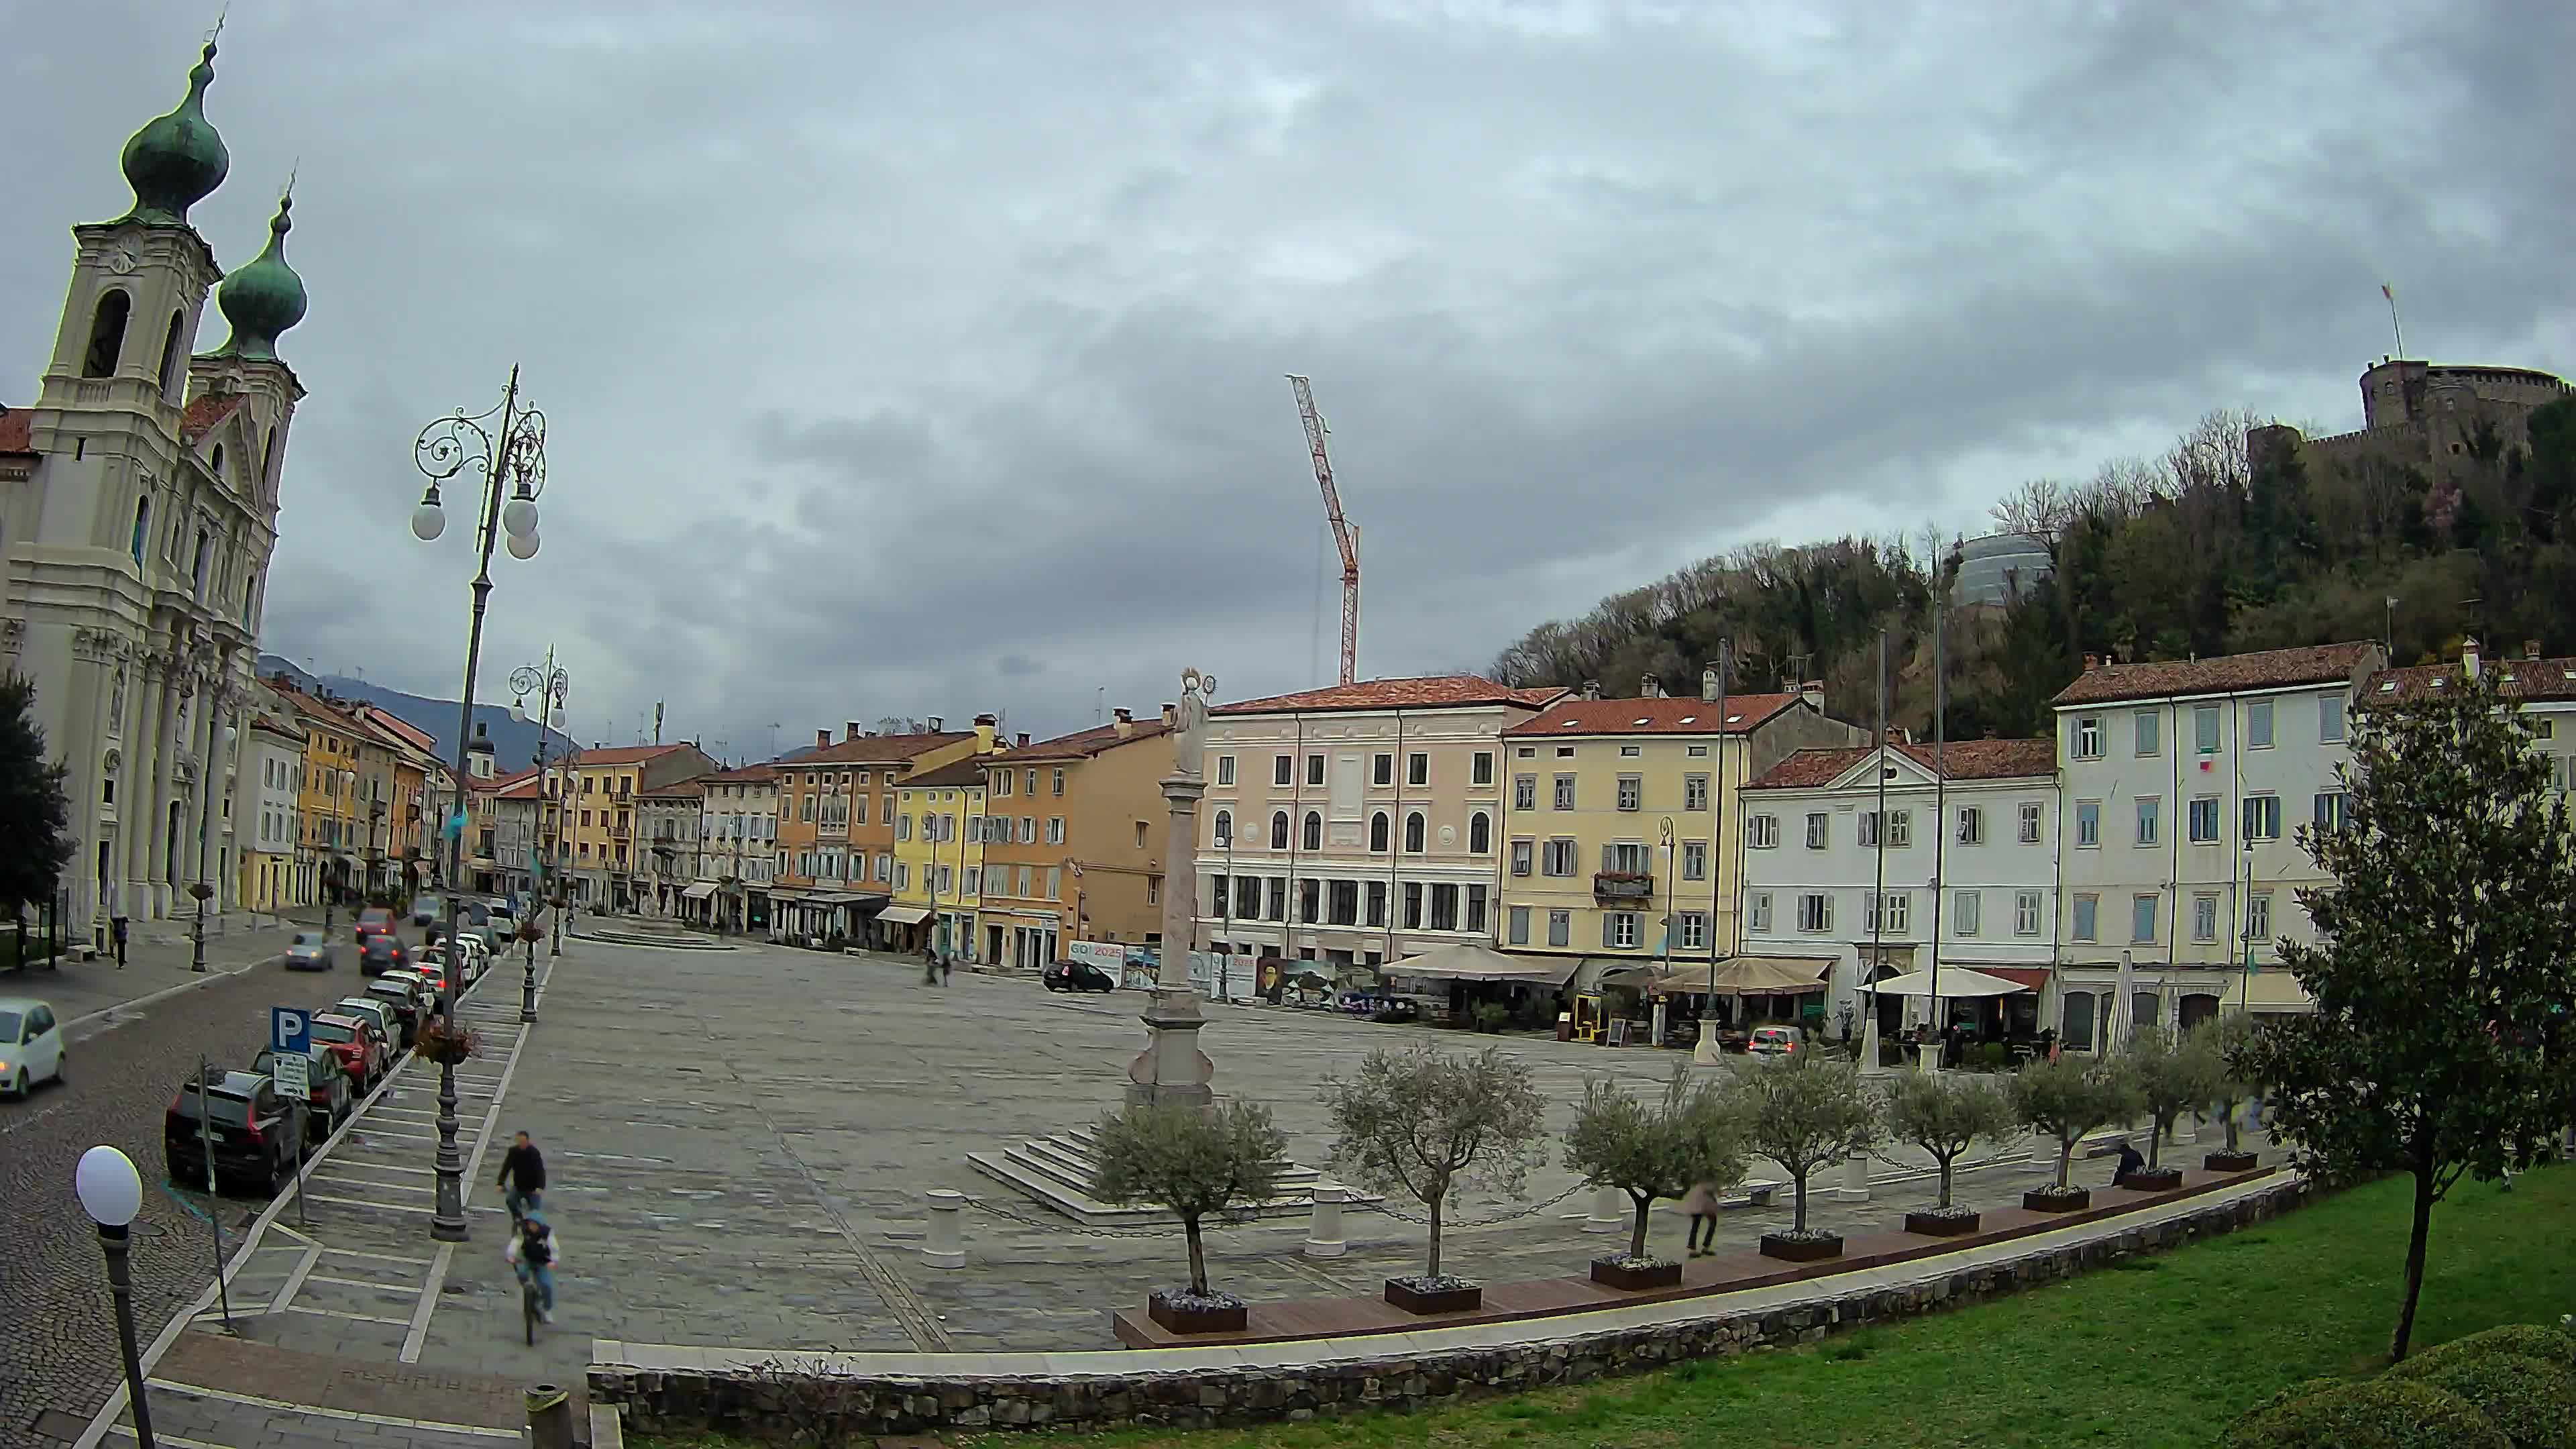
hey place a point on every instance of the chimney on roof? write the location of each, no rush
(934, 722)
(1708, 686)
(1813, 692)
(1171, 715)
(849, 730)
(1020, 740)
(1592, 689)
(2092, 662)
(822, 738)
(2469, 656)
(1649, 687)
(2530, 648)
(987, 719)
(1123, 721)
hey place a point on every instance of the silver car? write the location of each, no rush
(311, 951)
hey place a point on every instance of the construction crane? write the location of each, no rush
(1345, 536)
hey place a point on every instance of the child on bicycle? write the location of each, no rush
(532, 1254)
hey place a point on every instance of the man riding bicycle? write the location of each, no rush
(523, 1177)
(532, 1254)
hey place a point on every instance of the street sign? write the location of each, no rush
(290, 1030)
(292, 1072)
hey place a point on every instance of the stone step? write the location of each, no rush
(1089, 1211)
(1078, 1166)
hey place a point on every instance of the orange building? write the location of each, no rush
(1073, 841)
(836, 824)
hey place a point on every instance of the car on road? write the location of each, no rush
(379, 954)
(427, 908)
(31, 1044)
(1777, 1042)
(330, 1095)
(373, 921)
(1077, 976)
(350, 1041)
(403, 1000)
(242, 1117)
(311, 951)
(377, 1014)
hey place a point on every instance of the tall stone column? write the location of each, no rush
(133, 786)
(164, 788)
(1172, 1071)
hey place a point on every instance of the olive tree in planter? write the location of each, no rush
(2228, 1039)
(2171, 1076)
(1945, 1114)
(1425, 1122)
(2063, 1100)
(1651, 1152)
(1804, 1111)
(1198, 1163)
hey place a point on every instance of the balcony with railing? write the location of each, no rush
(1622, 885)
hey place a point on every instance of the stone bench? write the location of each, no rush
(1760, 1192)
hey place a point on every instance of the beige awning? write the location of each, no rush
(1480, 963)
(1734, 976)
(904, 915)
(699, 892)
(1956, 981)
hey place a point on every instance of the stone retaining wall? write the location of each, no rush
(793, 1391)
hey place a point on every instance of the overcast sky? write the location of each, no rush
(927, 359)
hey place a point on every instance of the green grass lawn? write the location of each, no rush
(2160, 1351)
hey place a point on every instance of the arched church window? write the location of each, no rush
(215, 464)
(170, 355)
(197, 569)
(107, 334)
(268, 461)
(142, 527)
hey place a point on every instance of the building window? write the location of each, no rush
(1310, 898)
(1694, 792)
(1815, 912)
(1898, 908)
(1967, 912)
(2142, 919)
(1626, 857)
(1377, 903)
(1819, 831)
(2204, 916)
(2262, 817)
(1247, 894)
(1762, 832)
(2258, 725)
(1314, 831)
(1900, 829)
(1444, 907)
(1632, 792)
(1278, 898)
(2258, 917)
(1757, 911)
(1344, 903)
(2087, 742)
(1865, 829)
(1480, 833)
(2033, 819)
(1283, 769)
(1559, 857)
(1694, 931)
(1279, 830)
(1378, 832)
(1314, 769)
(1525, 792)
(2149, 818)
(142, 526)
(1481, 769)
(1565, 792)
(1522, 851)
(2025, 913)
(2204, 729)
(2088, 822)
(1516, 926)
(2150, 732)
(1224, 773)
(1619, 930)
(1560, 927)
(2088, 908)
(2330, 719)
(1413, 905)
(2204, 820)
(107, 333)
(1382, 768)
(1694, 860)
(1972, 825)
(2330, 809)
(1413, 832)
(1224, 829)
(1417, 768)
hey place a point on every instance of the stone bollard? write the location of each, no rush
(945, 1245)
(2183, 1134)
(549, 1416)
(1324, 1231)
(1609, 1211)
(1855, 1186)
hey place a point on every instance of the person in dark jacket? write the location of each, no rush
(523, 1176)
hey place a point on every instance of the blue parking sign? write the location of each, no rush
(290, 1030)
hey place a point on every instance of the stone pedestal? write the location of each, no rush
(1324, 1230)
(1855, 1186)
(1610, 1211)
(945, 1244)
(1931, 1055)
(1171, 1070)
(1869, 1066)
(1705, 1052)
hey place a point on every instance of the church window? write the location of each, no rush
(268, 460)
(215, 465)
(170, 354)
(107, 334)
(142, 527)
(197, 569)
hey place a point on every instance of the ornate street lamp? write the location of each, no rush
(507, 447)
(548, 686)
(111, 1192)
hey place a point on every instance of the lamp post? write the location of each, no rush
(218, 734)
(111, 1192)
(511, 457)
(548, 685)
(2245, 913)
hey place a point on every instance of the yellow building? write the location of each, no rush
(1617, 817)
(328, 834)
(835, 844)
(939, 857)
(592, 799)
(1074, 835)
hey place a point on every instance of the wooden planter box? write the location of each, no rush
(2057, 1200)
(1196, 1317)
(2225, 1161)
(1465, 1299)
(1610, 1273)
(1801, 1250)
(2152, 1179)
(1938, 1225)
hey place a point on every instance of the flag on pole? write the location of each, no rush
(2386, 291)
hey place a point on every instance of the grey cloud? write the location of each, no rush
(1019, 666)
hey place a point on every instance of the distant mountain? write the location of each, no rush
(513, 743)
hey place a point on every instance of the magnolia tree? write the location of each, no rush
(1945, 1114)
(1199, 1163)
(2067, 1098)
(34, 815)
(1424, 1122)
(2445, 958)
(1654, 1151)
(2171, 1075)
(1804, 1111)
(2228, 1040)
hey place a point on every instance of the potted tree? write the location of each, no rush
(2063, 1100)
(1648, 1153)
(1197, 1163)
(1945, 1114)
(1803, 1111)
(2171, 1076)
(2229, 1039)
(1424, 1122)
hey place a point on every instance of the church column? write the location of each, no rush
(175, 691)
(139, 790)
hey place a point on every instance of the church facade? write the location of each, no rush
(138, 511)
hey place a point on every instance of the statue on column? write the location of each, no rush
(1172, 1070)
(1189, 728)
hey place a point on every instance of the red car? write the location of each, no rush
(373, 921)
(359, 1050)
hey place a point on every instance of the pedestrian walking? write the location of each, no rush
(116, 928)
(1701, 1203)
(523, 1176)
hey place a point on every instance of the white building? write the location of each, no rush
(2184, 784)
(737, 849)
(266, 821)
(1961, 869)
(2544, 688)
(138, 507)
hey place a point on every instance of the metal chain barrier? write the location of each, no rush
(1061, 1227)
(1446, 1224)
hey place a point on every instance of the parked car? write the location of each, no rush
(1772, 1041)
(373, 921)
(1077, 976)
(381, 953)
(427, 908)
(31, 1044)
(431, 967)
(311, 951)
(329, 1094)
(404, 1002)
(350, 1041)
(377, 1015)
(246, 1123)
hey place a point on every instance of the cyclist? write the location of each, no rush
(523, 1176)
(533, 1253)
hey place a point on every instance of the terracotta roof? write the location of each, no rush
(622, 755)
(524, 787)
(1083, 744)
(17, 430)
(402, 729)
(747, 775)
(2268, 669)
(276, 726)
(1661, 716)
(1437, 691)
(1960, 760)
(2546, 679)
(696, 785)
(966, 772)
(206, 411)
(876, 749)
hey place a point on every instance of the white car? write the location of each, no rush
(31, 1044)
(1772, 1041)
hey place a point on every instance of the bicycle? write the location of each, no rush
(528, 1303)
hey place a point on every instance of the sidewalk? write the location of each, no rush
(83, 989)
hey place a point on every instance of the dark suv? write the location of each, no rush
(381, 953)
(253, 1139)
